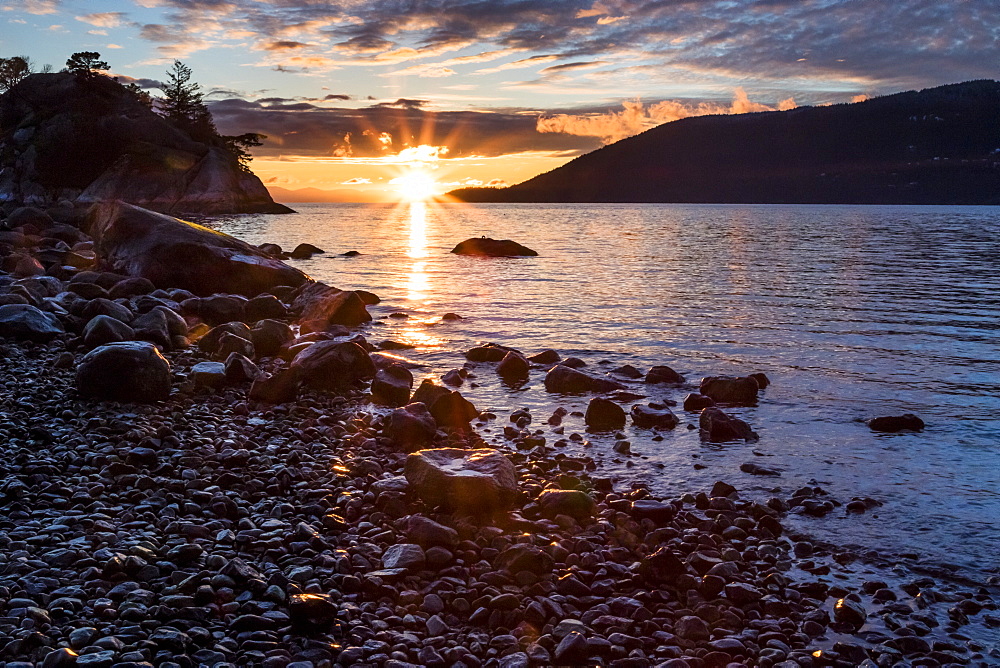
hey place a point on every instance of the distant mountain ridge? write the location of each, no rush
(935, 146)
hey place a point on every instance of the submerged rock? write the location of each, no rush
(730, 389)
(486, 247)
(177, 254)
(647, 417)
(664, 374)
(465, 481)
(129, 371)
(892, 423)
(718, 427)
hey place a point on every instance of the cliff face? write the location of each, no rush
(936, 146)
(63, 139)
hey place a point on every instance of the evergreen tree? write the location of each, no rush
(86, 64)
(240, 145)
(183, 104)
(13, 70)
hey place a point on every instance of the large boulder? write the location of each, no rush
(320, 305)
(132, 371)
(565, 380)
(466, 481)
(718, 427)
(23, 321)
(411, 427)
(453, 410)
(173, 253)
(485, 247)
(730, 389)
(333, 365)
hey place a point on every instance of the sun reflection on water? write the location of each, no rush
(418, 230)
(418, 282)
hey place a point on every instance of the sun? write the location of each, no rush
(416, 185)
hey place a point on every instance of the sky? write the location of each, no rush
(372, 98)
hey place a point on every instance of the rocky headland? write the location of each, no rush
(211, 465)
(71, 140)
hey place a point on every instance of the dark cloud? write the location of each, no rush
(404, 103)
(337, 96)
(284, 45)
(567, 67)
(303, 129)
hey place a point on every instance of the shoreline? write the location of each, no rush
(257, 534)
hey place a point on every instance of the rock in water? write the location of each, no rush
(22, 321)
(305, 251)
(718, 427)
(664, 374)
(485, 247)
(907, 422)
(391, 386)
(333, 365)
(604, 414)
(320, 306)
(647, 417)
(411, 427)
(466, 481)
(729, 389)
(453, 410)
(176, 254)
(695, 402)
(129, 371)
(565, 380)
(513, 367)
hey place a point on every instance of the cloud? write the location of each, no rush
(519, 64)
(37, 7)
(636, 117)
(140, 82)
(284, 45)
(356, 181)
(568, 67)
(103, 19)
(336, 96)
(404, 103)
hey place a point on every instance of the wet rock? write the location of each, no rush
(513, 367)
(404, 555)
(104, 329)
(264, 307)
(455, 377)
(488, 352)
(131, 287)
(96, 307)
(321, 306)
(426, 532)
(730, 389)
(279, 387)
(696, 402)
(907, 422)
(23, 321)
(230, 344)
(485, 247)
(565, 380)
(662, 566)
(545, 357)
(453, 410)
(572, 649)
(646, 417)
(757, 469)
(849, 612)
(305, 251)
(762, 380)
(604, 414)
(742, 594)
(428, 392)
(664, 374)
(268, 336)
(627, 371)
(312, 611)
(718, 427)
(466, 481)
(391, 386)
(657, 511)
(175, 254)
(333, 365)
(130, 371)
(153, 327)
(410, 427)
(570, 502)
(210, 342)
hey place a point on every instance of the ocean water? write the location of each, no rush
(852, 311)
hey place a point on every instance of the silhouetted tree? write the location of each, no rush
(13, 70)
(145, 98)
(184, 106)
(86, 64)
(240, 145)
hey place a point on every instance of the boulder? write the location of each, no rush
(265, 306)
(894, 423)
(240, 369)
(391, 386)
(320, 306)
(664, 374)
(132, 371)
(604, 415)
(410, 427)
(231, 343)
(485, 247)
(695, 402)
(718, 427)
(153, 327)
(210, 342)
(566, 380)
(570, 502)
(513, 367)
(762, 380)
(104, 329)
(172, 253)
(107, 307)
(453, 410)
(646, 417)
(131, 287)
(730, 389)
(23, 321)
(208, 374)
(465, 481)
(279, 387)
(426, 532)
(219, 309)
(305, 251)
(545, 357)
(627, 371)
(269, 335)
(404, 555)
(488, 352)
(428, 392)
(333, 365)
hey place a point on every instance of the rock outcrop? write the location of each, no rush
(85, 140)
(173, 253)
(485, 247)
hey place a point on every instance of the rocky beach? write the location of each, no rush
(206, 462)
